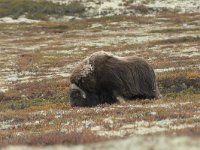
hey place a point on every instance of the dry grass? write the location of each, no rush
(193, 132)
(187, 39)
(175, 30)
(179, 18)
(72, 138)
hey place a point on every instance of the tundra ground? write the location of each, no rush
(36, 60)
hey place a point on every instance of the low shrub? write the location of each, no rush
(72, 138)
(1, 95)
(75, 7)
(56, 88)
(140, 8)
(181, 84)
(38, 9)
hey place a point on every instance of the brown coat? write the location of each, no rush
(103, 78)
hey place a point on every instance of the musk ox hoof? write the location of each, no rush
(103, 78)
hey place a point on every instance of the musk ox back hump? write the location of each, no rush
(129, 77)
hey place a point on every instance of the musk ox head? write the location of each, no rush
(102, 78)
(80, 98)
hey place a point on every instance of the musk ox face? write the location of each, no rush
(102, 78)
(78, 97)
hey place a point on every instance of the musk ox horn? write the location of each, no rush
(74, 87)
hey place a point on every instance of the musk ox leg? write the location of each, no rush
(157, 93)
(121, 99)
(107, 97)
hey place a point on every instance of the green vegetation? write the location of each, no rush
(179, 82)
(179, 86)
(148, 1)
(34, 102)
(174, 30)
(186, 39)
(38, 9)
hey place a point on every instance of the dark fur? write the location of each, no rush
(113, 77)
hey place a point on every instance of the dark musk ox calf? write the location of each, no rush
(105, 78)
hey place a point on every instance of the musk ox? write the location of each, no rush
(104, 78)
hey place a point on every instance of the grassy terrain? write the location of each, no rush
(41, 9)
(36, 60)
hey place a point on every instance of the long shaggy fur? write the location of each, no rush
(103, 78)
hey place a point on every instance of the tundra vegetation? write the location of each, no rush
(42, 10)
(36, 60)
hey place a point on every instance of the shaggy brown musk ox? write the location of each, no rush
(104, 78)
